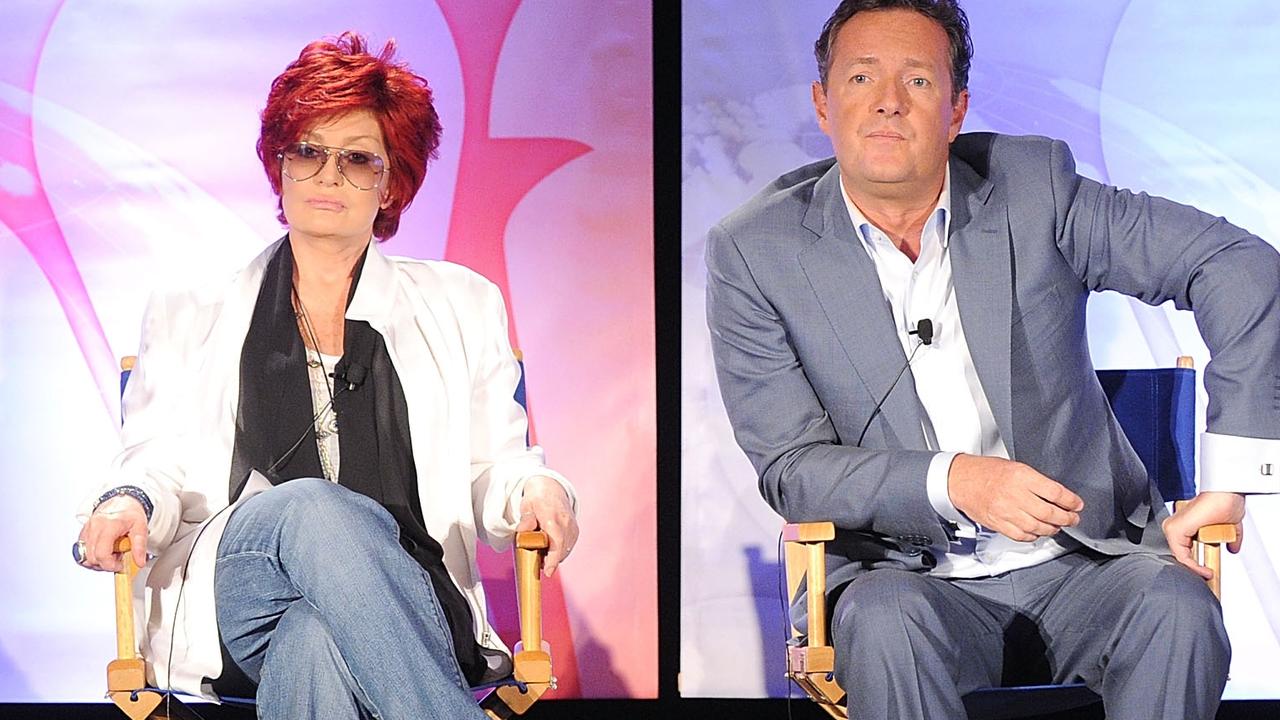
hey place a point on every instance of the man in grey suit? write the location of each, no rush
(992, 516)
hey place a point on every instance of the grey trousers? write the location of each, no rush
(1139, 630)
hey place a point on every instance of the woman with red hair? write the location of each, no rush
(311, 453)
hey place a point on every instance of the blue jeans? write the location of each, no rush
(322, 608)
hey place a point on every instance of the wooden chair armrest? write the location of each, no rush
(1217, 534)
(127, 674)
(533, 657)
(532, 540)
(806, 543)
(809, 532)
(1209, 541)
(126, 645)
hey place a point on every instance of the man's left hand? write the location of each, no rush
(1207, 508)
(545, 506)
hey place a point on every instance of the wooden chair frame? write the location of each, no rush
(127, 673)
(811, 665)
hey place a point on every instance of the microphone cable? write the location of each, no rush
(352, 383)
(924, 330)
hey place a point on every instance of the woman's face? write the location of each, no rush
(328, 206)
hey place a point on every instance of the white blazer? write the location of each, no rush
(446, 333)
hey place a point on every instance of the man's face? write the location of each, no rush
(887, 105)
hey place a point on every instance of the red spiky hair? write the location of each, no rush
(334, 77)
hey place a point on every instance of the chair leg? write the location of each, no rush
(138, 705)
(811, 665)
(825, 693)
(495, 708)
(126, 680)
(509, 701)
(533, 668)
(835, 711)
(811, 668)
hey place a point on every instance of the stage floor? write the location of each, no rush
(615, 710)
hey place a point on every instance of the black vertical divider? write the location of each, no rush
(666, 261)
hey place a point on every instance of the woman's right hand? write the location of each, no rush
(118, 517)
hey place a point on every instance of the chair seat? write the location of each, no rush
(1003, 703)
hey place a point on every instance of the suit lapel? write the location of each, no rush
(981, 270)
(844, 279)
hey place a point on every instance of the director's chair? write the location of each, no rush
(530, 678)
(1156, 409)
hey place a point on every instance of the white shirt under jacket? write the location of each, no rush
(958, 415)
(445, 329)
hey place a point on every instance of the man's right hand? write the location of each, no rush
(116, 518)
(1011, 498)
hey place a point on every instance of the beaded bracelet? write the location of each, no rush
(132, 491)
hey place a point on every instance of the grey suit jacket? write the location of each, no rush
(804, 343)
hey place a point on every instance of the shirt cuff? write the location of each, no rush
(1233, 463)
(936, 484)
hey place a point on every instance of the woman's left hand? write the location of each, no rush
(545, 506)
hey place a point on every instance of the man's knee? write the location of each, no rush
(880, 608)
(1180, 603)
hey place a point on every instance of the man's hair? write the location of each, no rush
(946, 13)
(333, 78)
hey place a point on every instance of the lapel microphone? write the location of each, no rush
(924, 331)
(348, 377)
(352, 374)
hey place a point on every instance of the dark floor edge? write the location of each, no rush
(615, 710)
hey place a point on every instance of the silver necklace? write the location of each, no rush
(326, 419)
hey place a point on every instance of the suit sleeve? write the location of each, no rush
(778, 420)
(1157, 250)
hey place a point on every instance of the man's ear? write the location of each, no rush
(820, 105)
(958, 110)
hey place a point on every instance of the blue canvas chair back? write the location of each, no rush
(1157, 411)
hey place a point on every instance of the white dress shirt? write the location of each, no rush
(958, 415)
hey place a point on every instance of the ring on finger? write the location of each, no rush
(79, 552)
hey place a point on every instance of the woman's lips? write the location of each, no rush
(322, 204)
